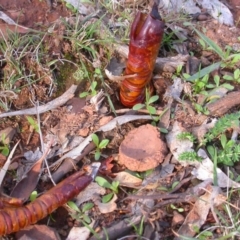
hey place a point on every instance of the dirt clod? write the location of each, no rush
(142, 149)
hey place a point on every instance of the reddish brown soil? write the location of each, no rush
(235, 8)
(33, 13)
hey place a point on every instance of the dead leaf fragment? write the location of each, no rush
(75, 232)
(198, 215)
(38, 232)
(7, 134)
(83, 132)
(142, 149)
(205, 170)
(128, 180)
(106, 207)
(30, 179)
(76, 104)
(91, 191)
(177, 218)
(140, 206)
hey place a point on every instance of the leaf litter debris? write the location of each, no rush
(194, 190)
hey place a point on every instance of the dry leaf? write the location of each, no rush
(76, 232)
(38, 232)
(128, 180)
(93, 190)
(198, 215)
(204, 170)
(107, 207)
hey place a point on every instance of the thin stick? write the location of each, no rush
(130, 110)
(46, 107)
(42, 144)
(7, 163)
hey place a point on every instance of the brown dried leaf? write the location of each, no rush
(38, 232)
(24, 188)
(128, 180)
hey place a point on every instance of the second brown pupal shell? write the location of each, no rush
(145, 40)
(15, 219)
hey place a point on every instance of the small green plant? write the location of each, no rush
(217, 84)
(228, 58)
(148, 102)
(227, 122)
(141, 175)
(227, 153)
(71, 7)
(91, 92)
(169, 189)
(186, 136)
(99, 145)
(178, 72)
(81, 74)
(80, 214)
(176, 208)
(33, 123)
(203, 44)
(235, 77)
(189, 156)
(112, 186)
(202, 235)
(139, 229)
(33, 196)
(4, 148)
(98, 73)
(200, 84)
(220, 148)
(168, 40)
(201, 109)
(174, 185)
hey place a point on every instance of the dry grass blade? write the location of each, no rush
(6, 165)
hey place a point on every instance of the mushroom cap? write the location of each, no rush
(142, 149)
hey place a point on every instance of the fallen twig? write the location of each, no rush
(190, 195)
(46, 107)
(130, 110)
(223, 105)
(68, 165)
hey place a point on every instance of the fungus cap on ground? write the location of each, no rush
(142, 149)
